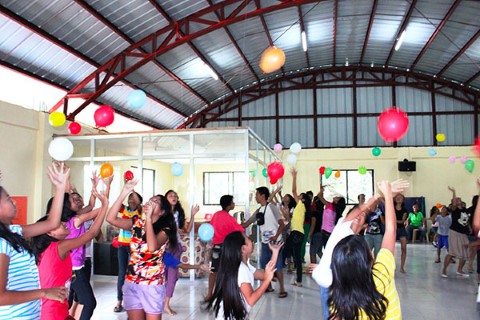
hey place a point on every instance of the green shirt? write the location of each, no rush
(416, 220)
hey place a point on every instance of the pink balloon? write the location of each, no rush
(463, 159)
(277, 147)
(104, 116)
(452, 159)
(392, 124)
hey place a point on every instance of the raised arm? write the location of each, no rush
(58, 176)
(294, 172)
(112, 215)
(454, 194)
(66, 245)
(154, 241)
(91, 202)
(189, 225)
(390, 235)
(273, 196)
(320, 196)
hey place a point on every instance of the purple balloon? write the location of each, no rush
(463, 159)
(277, 147)
(452, 159)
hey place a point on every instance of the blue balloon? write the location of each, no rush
(136, 99)
(432, 152)
(205, 232)
(177, 169)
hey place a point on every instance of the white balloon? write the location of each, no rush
(60, 149)
(295, 147)
(292, 159)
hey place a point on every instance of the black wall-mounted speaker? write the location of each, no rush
(406, 165)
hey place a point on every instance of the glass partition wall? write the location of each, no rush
(199, 164)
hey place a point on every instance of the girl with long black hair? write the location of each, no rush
(364, 288)
(52, 253)
(183, 226)
(20, 292)
(234, 296)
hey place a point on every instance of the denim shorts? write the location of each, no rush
(149, 298)
(266, 255)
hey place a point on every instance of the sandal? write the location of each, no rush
(298, 284)
(283, 294)
(437, 261)
(269, 290)
(118, 309)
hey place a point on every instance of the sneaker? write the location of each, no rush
(461, 274)
(444, 275)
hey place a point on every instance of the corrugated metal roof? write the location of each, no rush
(67, 41)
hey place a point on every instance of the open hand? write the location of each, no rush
(275, 246)
(58, 175)
(205, 268)
(399, 186)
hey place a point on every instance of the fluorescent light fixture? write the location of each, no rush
(210, 71)
(400, 40)
(304, 41)
(346, 63)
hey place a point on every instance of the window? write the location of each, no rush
(148, 179)
(349, 184)
(217, 184)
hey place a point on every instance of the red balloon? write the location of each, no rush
(476, 146)
(275, 171)
(321, 170)
(74, 128)
(392, 124)
(104, 116)
(128, 175)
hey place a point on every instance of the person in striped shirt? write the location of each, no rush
(20, 291)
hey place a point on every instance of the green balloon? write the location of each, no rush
(253, 173)
(376, 151)
(264, 172)
(469, 165)
(362, 170)
(328, 172)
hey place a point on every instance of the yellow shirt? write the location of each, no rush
(384, 278)
(298, 217)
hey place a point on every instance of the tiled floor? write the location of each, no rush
(423, 294)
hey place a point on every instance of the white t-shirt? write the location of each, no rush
(322, 274)
(270, 227)
(245, 275)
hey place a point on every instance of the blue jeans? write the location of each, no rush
(324, 299)
(83, 290)
(123, 257)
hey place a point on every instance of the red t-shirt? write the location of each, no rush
(54, 272)
(223, 224)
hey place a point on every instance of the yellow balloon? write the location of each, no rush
(440, 137)
(272, 59)
(57, 119)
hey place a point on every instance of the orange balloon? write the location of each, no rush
(272, 59)
(337, 174)
(439, 205)
(106, 170)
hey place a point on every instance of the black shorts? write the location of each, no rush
(216, 251)
(401, 233)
